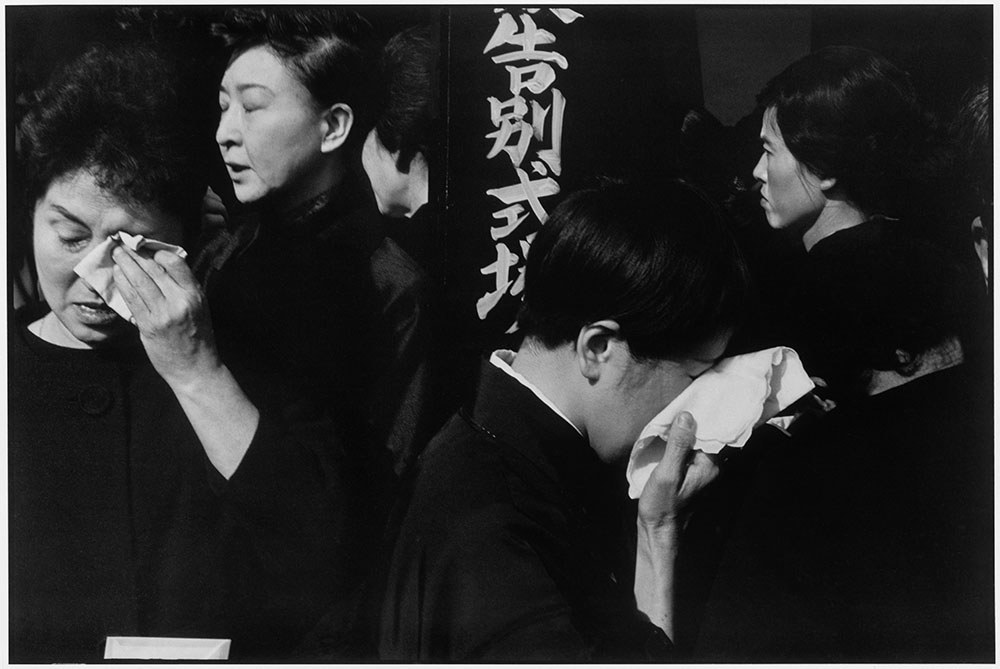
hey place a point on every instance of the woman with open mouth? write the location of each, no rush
(151, 493)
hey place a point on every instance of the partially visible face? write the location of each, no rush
(790, 193)
(637, 391)
(270, 130)
(70, 219)
(388, 183)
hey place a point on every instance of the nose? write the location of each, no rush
(228, 132)
(760, 169)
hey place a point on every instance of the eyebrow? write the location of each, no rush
(242, 87)
(68, 214)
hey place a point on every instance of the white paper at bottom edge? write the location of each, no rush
(165, 648)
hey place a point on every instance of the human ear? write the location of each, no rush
(336, 123)
(595, 348)
(827, 184)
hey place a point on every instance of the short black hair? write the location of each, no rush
(120, 113)
(407, 74)
(659, 261)
(848, 113)
(328, 50)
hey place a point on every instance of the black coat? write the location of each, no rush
(514, 545)
(119, 525)
(330, 309)
(868, 538)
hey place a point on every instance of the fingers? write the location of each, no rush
(135, 303)
(141, 275)
(670, 471)
(213, 210)
(176, 268)
(680, 440)
(702, 471)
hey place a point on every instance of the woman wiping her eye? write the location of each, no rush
(151, 493)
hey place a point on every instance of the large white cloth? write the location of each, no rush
(96, 267)
(728, 402)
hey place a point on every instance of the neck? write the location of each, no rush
(837, 215)
(329, 176)
(547, 369)
(943, 356)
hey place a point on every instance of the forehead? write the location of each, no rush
(259, 66)
(769, 130)
(79, 195)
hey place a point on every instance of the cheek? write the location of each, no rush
(54, 265)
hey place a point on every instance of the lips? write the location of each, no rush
(94, 313)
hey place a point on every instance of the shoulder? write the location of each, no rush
(462, 473)
(394, 271)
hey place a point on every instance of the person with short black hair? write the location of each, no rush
(154, 490)
(512, 546)
(846, 159)
(399, 149)
(868, 536)
(311, 291)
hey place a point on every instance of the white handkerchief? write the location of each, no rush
(728, 402)
(95, 268)
(165, 648)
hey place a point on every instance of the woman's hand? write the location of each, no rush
(169, 309)
(214, 216)
(679, 476)
(676, 480)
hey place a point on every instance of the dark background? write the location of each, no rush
(635, 72)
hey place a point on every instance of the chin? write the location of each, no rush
(248, 193)
(96, 337)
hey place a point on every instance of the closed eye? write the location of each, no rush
(74, 243)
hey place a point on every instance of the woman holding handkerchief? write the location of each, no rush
(151, 493)
(514, 546)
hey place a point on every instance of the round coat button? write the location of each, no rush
(95, 400)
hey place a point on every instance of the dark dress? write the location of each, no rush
(868, 538)
(329, 308)
(119, 525)
(513, 547)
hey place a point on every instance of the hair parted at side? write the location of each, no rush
(328, 50)
(119, 112)
(406, 120)
(659, 261)
(848, 113)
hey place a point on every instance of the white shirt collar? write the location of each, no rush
(503, 359)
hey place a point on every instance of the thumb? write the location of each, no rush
(680, 441)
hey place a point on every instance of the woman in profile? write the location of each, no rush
(151, 492)
(847, 166)
(866, 537)
(312, 292)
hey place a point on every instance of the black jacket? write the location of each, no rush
(119, 525)
(514, 545)
(868, 538)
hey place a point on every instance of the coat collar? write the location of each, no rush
(511, 414)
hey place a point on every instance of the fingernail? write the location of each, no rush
(685, 420)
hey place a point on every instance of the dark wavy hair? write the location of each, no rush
(407, 110)
(120, 113)
(328, 50)
(659, 261)
(848, 113)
